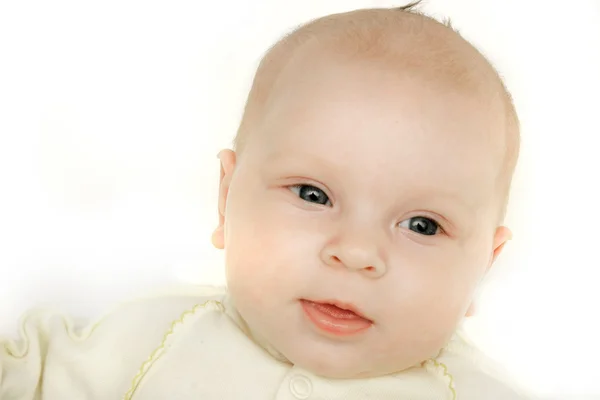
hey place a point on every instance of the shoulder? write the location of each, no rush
(75, 361)
(115, 347)
(163, 304)
(476, 376)
(143, 321)
(125, 339)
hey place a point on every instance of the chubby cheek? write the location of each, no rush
(427, 323)
(264, 254)
(427, 302)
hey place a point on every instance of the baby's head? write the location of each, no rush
(371, 170)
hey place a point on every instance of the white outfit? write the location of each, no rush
(195, 346)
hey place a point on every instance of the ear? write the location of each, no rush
(502, 235)
(227, 160)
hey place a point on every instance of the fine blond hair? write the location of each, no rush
(380, 33)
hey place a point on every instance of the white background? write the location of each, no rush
(112, 113)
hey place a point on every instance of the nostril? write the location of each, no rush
(370, 268)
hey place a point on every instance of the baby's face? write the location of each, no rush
(369, 189)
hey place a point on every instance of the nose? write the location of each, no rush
(357, 250)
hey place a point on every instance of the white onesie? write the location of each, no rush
(196, 346)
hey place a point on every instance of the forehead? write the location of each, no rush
(364, 120)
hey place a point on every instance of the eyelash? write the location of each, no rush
(298, 186)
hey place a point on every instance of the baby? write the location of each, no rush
(361, 208)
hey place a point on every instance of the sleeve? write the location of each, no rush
(53, 359)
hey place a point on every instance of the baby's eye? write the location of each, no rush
(310, 193)
(422, 225)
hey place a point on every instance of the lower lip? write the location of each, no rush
(326, 317)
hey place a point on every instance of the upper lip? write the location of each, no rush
(343, 305)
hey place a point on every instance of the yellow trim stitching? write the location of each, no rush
(155, 354)
(439, 365)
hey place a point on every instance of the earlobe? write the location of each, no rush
(471, 310)
(227, 165)
(502, 235)
(218, 238)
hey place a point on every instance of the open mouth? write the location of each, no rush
(335, 318)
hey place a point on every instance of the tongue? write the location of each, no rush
(336, 312)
